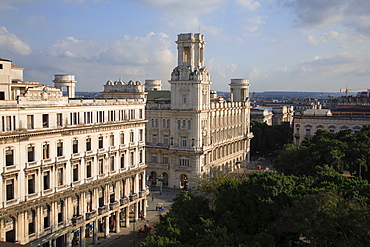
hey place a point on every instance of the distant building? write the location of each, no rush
(307, 123)
(70, 168)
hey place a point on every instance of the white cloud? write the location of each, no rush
(353, 15)
(12, 43)
(219, 70)
(326, 37)
(249, 4)
(136, 58)
(254, 73)
(284, 69)
(354, 64)
(252, 25)
(81, 49)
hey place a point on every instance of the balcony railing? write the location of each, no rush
(77, 220)
(133, 197)
(114, 205)
(103, 209)
(91, 215)
(124, 200)
(10, 168)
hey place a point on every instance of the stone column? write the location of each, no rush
(82, 236)
(95, 232)
(127, 216)
(69, 238)
(136, 211)
(144, 207)
(118, 223)
(106, 227)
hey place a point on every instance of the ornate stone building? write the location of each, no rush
(190, 131)
(71, 169)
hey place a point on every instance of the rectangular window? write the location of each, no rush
(154, 139)
(111, 138)
(122, 160)
(30, 122)
(31, 184)
(88, 144)
(45, 120)
(60, 176)
(154, 158)
(132, 136)
(183, 141)
(60, 149)
(141, 135)
(10, 189)
(75, 118)
(45, 151)
(165, 159)
(75, 146)
(9, 157)
(100, 142)
(75, 173)
(46, 179)
(101, 166)
(165, 140)
(141, 113)
(111, 160)
(132, 158)
(141, 156)
(59, 120)
(31, 153)
(122, 137)
(60, 212)
(184, 161)
(88, 169)
(88, 117)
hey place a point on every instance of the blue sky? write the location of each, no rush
(280, 45)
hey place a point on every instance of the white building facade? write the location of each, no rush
(71, 169)
(192, 135)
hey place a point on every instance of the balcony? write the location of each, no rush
(10, 168)
(142, 193)
(61, 158)
(77, 220)
(31, 164)
(90, 152)
(32, 196)
(91, 215)
(122, 146)
(114, 205)
(75, 183)
(133, 197)
(62, 187)
(101, 150)
(76, 155)
(48, 161)
(47, 192)
(113, 148)
(103, 209)
(124, 200)
(88, 180)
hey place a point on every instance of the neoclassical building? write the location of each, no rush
(308, 122)
(191, 132)
(71, 169)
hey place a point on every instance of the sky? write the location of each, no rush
(279, 45)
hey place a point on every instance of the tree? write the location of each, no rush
(325, 219)
(268, 139)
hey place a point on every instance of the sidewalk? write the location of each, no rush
(126, 237)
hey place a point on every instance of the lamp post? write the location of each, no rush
(160, 179)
